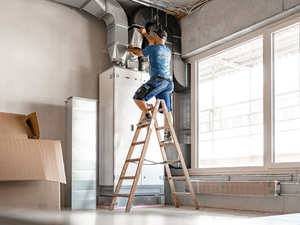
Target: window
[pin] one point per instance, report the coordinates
(247, 103)
(286, 94)
(230, 107)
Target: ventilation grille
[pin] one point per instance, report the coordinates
(248, 188)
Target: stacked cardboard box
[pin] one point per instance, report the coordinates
(31, 170)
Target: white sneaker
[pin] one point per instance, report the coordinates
(167, 140)
(144, 122)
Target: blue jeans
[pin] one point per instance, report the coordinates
(158, 88)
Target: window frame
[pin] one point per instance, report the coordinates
(269, 166)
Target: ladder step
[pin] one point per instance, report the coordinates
(162, 128)
(167, 144)
(143, 126)
(172, 161)
(122, 195)
(182, 193)
(159, 110)
(177, 178)
(138, 143)
(133, 160)
(127, 178)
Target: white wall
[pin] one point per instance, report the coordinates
(48, 52)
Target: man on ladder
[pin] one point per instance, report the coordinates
(160, 84)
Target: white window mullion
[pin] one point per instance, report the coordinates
(194, 115)
(268, 99)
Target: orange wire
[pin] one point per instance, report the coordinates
(187, 6)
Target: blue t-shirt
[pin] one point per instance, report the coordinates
(160, 56)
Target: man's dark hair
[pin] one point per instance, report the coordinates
(162, 34)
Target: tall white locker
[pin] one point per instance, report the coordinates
(118, 116)
(80, 154)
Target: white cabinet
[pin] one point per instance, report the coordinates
(118, 116)
(80, 153)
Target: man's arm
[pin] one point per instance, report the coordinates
(136, 51)
(149, 38)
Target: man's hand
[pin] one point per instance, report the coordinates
(136, 51)
(130, 48)
(142, 31)
(145, 34)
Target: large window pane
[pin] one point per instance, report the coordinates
(230, 107)
(286, 95)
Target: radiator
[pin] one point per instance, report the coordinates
(250, 188)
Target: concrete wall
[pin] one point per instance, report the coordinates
(48, 52)
(287, 203)
(220, 19)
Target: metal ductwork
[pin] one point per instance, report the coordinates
(153, 19)
(116, 20)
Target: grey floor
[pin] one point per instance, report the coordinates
(167, 215)
(188, 215)
(190, 211)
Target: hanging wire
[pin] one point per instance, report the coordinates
(169, 6)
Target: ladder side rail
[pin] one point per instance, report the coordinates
(125, 166)
(183, 165)
(167, 167)
(143, 154)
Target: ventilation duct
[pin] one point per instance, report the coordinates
(116, 21)
(153, 19)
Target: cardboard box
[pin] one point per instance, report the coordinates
(11, 126)
(31, 125)
(19, 126)
(30, 170)
(41, 195)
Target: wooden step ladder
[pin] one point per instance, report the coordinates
(154, 123)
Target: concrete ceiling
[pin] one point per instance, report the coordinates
(182, 7)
